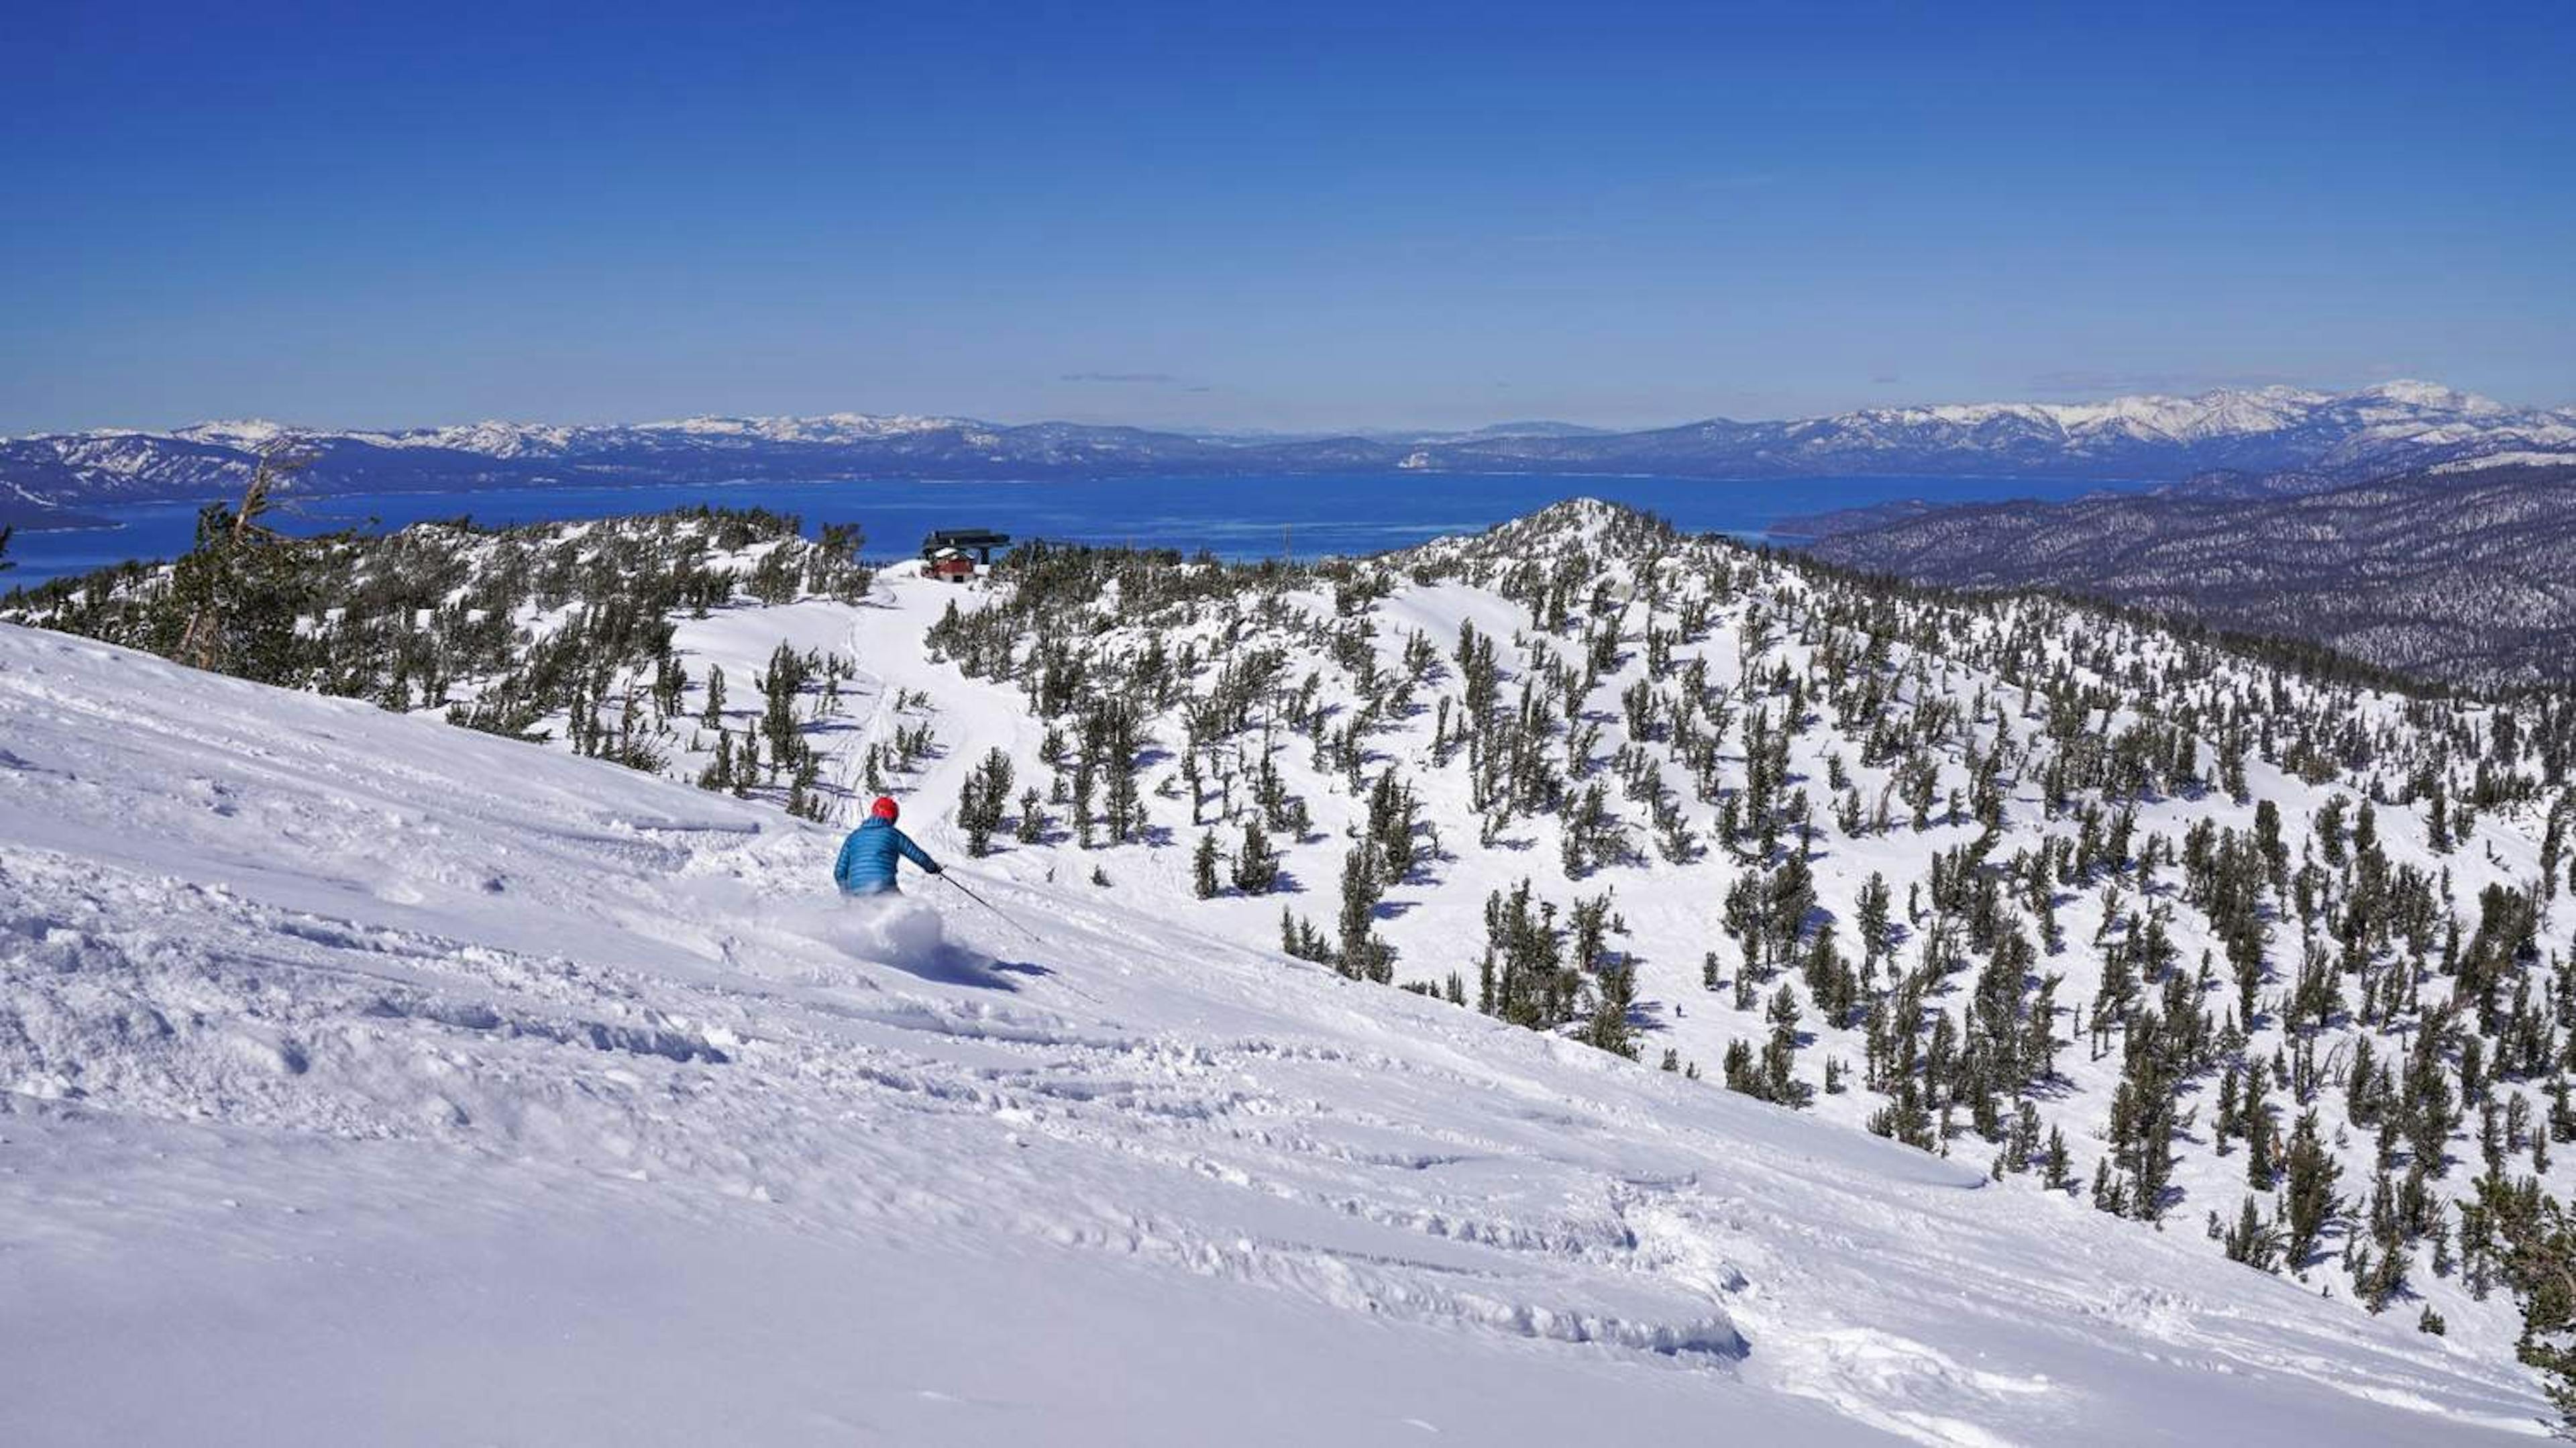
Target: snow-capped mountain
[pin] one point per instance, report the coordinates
(2273, 430)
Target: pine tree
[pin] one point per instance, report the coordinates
(1363, 955)
(780, 687)
(1780, 1052)
(981, 800)
(718, 775)
(2054, 1163)
(713, 718)
(2256, 1119)
(1203, 878)
(240, 588)
(1256, 865)
(1609, 1028)
(2252, 1241)
(2309, 1200)
(1871, 918)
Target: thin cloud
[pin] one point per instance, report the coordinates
(1123, 379)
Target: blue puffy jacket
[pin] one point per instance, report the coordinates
(866, 866)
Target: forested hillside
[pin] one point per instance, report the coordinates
(2222, 942)
(2464, 574)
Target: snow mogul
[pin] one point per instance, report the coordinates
(868, 857)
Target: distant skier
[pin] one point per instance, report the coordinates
(867, 863)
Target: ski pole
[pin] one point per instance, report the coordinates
(989, 905)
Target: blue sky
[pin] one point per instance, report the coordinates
(1275, 216)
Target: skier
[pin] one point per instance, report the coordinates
(867, 863)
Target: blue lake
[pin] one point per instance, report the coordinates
(1233, 517)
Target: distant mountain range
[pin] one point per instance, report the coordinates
(2228, 435)
(2465, 575)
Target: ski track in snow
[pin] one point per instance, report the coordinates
(440, 1088)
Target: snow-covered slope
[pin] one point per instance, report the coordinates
(371, 1080)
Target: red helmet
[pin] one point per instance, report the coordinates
(885, 808)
